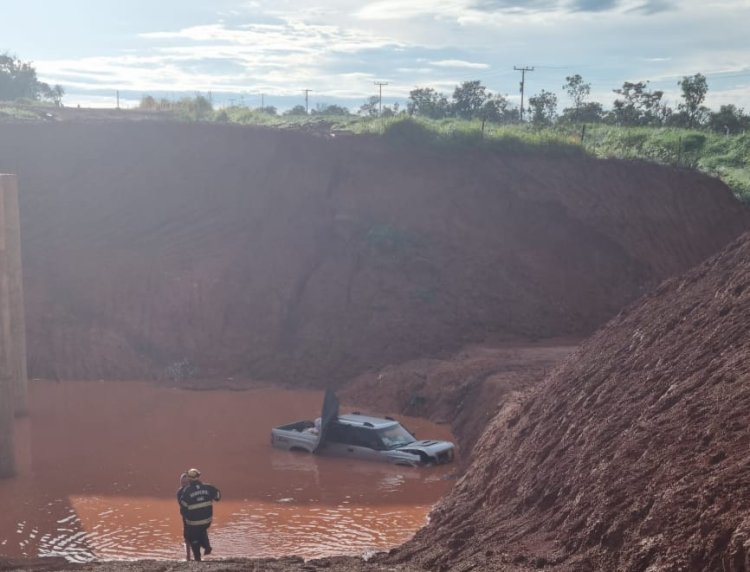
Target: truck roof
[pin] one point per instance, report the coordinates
(358, 420)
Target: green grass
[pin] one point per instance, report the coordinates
(452, 135)
(724, 156)
(12, 111)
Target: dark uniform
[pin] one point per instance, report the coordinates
(196, 506)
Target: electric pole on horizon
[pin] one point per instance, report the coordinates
(380, 85)
(306, 107)
(523, 81)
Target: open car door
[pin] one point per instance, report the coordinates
(329, 412)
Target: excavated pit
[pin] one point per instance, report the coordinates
(156, 250)
(420, 282)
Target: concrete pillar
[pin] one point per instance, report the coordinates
(15, 294)
(13, 391)
(7, 386)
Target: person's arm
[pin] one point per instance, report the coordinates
(182, 503)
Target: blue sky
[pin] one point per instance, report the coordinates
(238, 50)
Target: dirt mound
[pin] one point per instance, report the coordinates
(632, 455)
(466, 389)
(191, 250)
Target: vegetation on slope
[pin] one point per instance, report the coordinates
(719, 154)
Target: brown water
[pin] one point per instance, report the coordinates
(99, 464)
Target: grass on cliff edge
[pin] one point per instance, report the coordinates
(726, 157)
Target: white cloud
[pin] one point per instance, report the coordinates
(342, 46)
(459, 64)
(399, 9)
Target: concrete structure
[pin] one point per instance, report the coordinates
(13, 375)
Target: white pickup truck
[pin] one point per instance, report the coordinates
(361, 437)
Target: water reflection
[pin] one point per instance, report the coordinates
(101, 480)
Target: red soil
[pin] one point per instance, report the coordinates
(290, 257)
(466, 389)
(632, 455)
(243, 252)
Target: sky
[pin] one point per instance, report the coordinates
(269, 52)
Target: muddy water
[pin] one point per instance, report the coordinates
(99, 464)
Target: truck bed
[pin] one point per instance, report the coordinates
(299, 435)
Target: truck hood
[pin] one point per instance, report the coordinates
(432, 448)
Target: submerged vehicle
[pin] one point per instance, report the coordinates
(360, 437)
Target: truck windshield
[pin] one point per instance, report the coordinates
(395, 436)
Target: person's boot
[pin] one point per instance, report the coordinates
(196, 551)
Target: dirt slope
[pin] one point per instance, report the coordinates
(633, 455)
(152, 248)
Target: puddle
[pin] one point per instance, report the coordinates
(99, 464)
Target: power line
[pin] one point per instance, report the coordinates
(380, 85)
(523, 81)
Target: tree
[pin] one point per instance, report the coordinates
(543, 108)
(639, 106)
(729, 120)
(427, 102)
(577, 89)
(694, 89)
(148, 103)
(468, 99)
(496, 109)
(589, 112)
(582, 111)
(325, 109)
(201, 107)
(52, 94)
(296, 111)
(268, 110)
(370, 107)
(18, 80)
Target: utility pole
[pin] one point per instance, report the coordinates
(262, 101)
(523, 81)
(380, 85)
(306, 106)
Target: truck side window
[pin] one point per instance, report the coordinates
(366, 438)
(337, 433)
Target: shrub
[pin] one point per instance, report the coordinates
(408, 132)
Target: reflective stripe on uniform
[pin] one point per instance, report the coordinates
(198, 522)
(198, 505)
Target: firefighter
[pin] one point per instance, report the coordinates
(196, 506)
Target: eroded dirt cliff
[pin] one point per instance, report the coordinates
(158, 249)
(632, 455)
